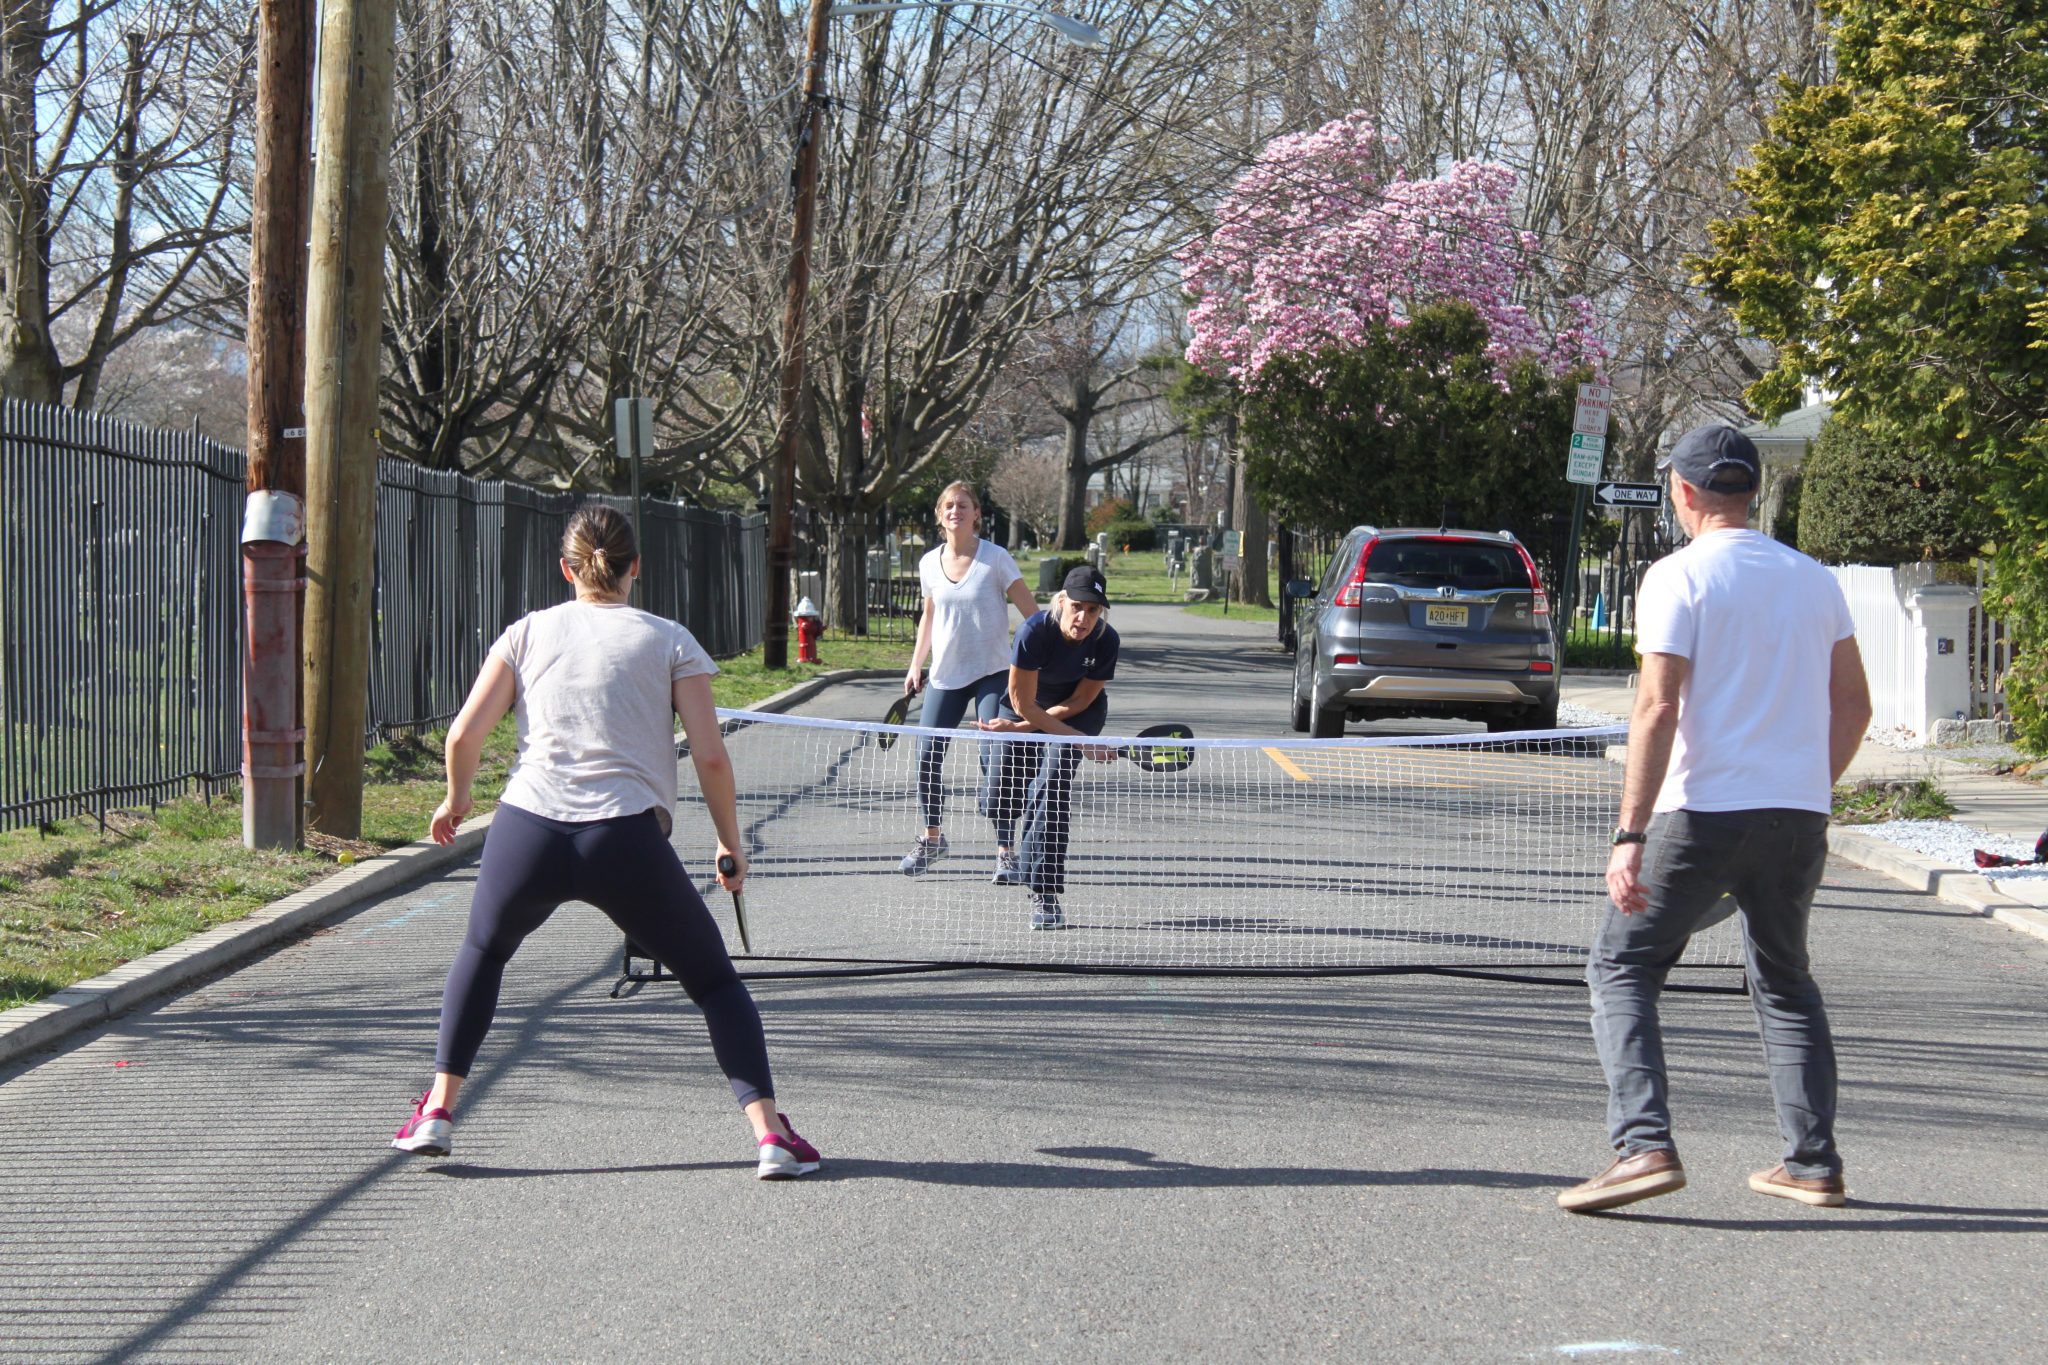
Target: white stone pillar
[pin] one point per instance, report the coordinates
(1937, 657)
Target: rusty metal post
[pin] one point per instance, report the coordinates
(272, 546)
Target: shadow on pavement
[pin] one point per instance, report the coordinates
(1935, 1218)
(1134, 1169)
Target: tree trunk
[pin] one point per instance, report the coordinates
(846, 575)
(1074, 508)
(28, 358)
(1250, 516)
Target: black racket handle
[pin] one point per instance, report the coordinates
(727, 864)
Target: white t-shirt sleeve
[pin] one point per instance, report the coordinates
(687, 659)
(1005, 568)
(1664, 613)
(927, 567)
(510, 647)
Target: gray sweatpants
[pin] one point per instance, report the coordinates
(1770, 861)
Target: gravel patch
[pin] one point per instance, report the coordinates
(1892, 737)
(1952, 844)
(1570, 717)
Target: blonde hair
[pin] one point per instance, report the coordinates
(959, 486)
(599, 545)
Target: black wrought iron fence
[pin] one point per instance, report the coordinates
(1602, 631)
(889, 598)
(120, 587)
(120, 602)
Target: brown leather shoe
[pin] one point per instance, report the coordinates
(1630, 1178)
(1824, 1192)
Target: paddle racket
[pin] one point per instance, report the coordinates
(897, 714)
(728, 865)
(1161, 758)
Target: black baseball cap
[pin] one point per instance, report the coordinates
(1716, 457)
(1084, 584)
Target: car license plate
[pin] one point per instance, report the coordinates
(1444, 616)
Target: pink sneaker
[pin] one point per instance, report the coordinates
(429, 1132)
(785, 1158)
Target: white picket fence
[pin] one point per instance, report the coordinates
(1915, 635)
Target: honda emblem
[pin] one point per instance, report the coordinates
(1447, 591)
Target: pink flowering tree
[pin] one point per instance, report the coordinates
(1369, 325)
(1314, 248)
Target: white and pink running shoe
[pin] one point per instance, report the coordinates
(785, 1158)
(429, 1132)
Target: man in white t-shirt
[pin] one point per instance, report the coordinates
(1750, 704)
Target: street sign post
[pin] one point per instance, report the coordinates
(1584, 460)
(1645, 495)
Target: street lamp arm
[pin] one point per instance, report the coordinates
(1073, 30)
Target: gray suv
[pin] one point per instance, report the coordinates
(1425, 623)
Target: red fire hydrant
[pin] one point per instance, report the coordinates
(810, 624)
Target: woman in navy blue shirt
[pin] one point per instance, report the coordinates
(1061, 661)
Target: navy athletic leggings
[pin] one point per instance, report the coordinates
(625, 867)
(943, 709)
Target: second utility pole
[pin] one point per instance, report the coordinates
(344, 321)
(788, 426)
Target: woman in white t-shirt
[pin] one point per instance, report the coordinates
(969, 587)
(596, 686)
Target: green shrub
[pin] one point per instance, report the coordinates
(1132, 535)
(1871, 500)
(1588, 648)
(1878, 799)
(1067, 564)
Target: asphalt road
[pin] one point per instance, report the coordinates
(1068, 1168)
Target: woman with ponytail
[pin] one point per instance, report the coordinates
(586, 815)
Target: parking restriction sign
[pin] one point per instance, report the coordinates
(1584, 461)
(1590, 416)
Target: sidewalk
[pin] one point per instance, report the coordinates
(2011, 807)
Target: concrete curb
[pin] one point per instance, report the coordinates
(27, 1028)
(1954, 885)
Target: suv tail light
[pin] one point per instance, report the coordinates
(1542, 607)
(1348, 595)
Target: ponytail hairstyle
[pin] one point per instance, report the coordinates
(599, 546)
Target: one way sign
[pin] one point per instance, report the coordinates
(1629, 494)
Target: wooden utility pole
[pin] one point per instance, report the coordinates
(788, 427)
(273, 525)
(344, 316)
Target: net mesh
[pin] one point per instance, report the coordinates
(1259, 855)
